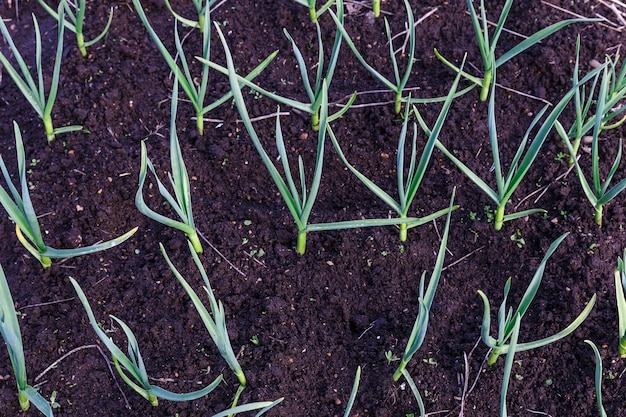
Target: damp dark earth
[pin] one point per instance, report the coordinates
(301, 325)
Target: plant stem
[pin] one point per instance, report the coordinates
(484, 93)
(597, 216)
(493, 357)
(499, 218)
(154, 401)
(301, 243)
(80, 41)
(398, 105)
(315, 121)
(24, 402)
(195, 242)
(403, 232)
(398, 373)
(47, 124)
(237, 395)
(313, 14)
(201, 21)
(575, 146)
(622, 346)
(376, 9)
(200, 123)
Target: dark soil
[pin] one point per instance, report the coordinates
(353, 295)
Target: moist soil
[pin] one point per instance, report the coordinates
(353, 295)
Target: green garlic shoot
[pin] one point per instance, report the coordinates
(409, 186)
(313, 91)
(507, 319)
(21, 211)
(487, 45)
(263, 406)
(10, 331)
(215, 324)
(76, 21)
(195, 91)
(34, 91)
(597, 191)
(314, 13)
(609, 106)
(598, 377)
(133, 363)
(425, 301)
(179, 180)
(397, 86)
(620, 286)
(202, 8)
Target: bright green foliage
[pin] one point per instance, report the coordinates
(299, 200)
(133, 363)
(314, 13)
(522, 161)
(215, 325)
(299, 203)
(415, 391)
(202, 8)
(355, 389)
(195, 93)
(76, 21)
(397, 86)
(179, 180)
(620, 286)
(407, 188)
(598, 377)
(508, 363)
(609, 106)
(10, 331)
(597, 191)
(487, 45)
(20, 209)
(313, 91)
(582, 107)
(264, 406)
(33, 91)
(376, 7)
(425, 301)
(507, 319)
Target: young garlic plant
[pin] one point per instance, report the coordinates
(598, 377)
(10, 331)
(522, 160)
(179, 180)
(314, 13)
(597, 191)
(20, 209)
(34, 91)
(509, 319)
(487, 45)
(75, 22)
(397, 86)
(202, 8)
(215, 323)
(407, 187)
(133, 363)
(611, 104)
(620, 287)
(313, 91)
(195, 89)
(425, 302)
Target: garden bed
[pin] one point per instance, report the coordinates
(353, 296)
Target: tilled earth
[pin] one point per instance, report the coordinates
(354, 295)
